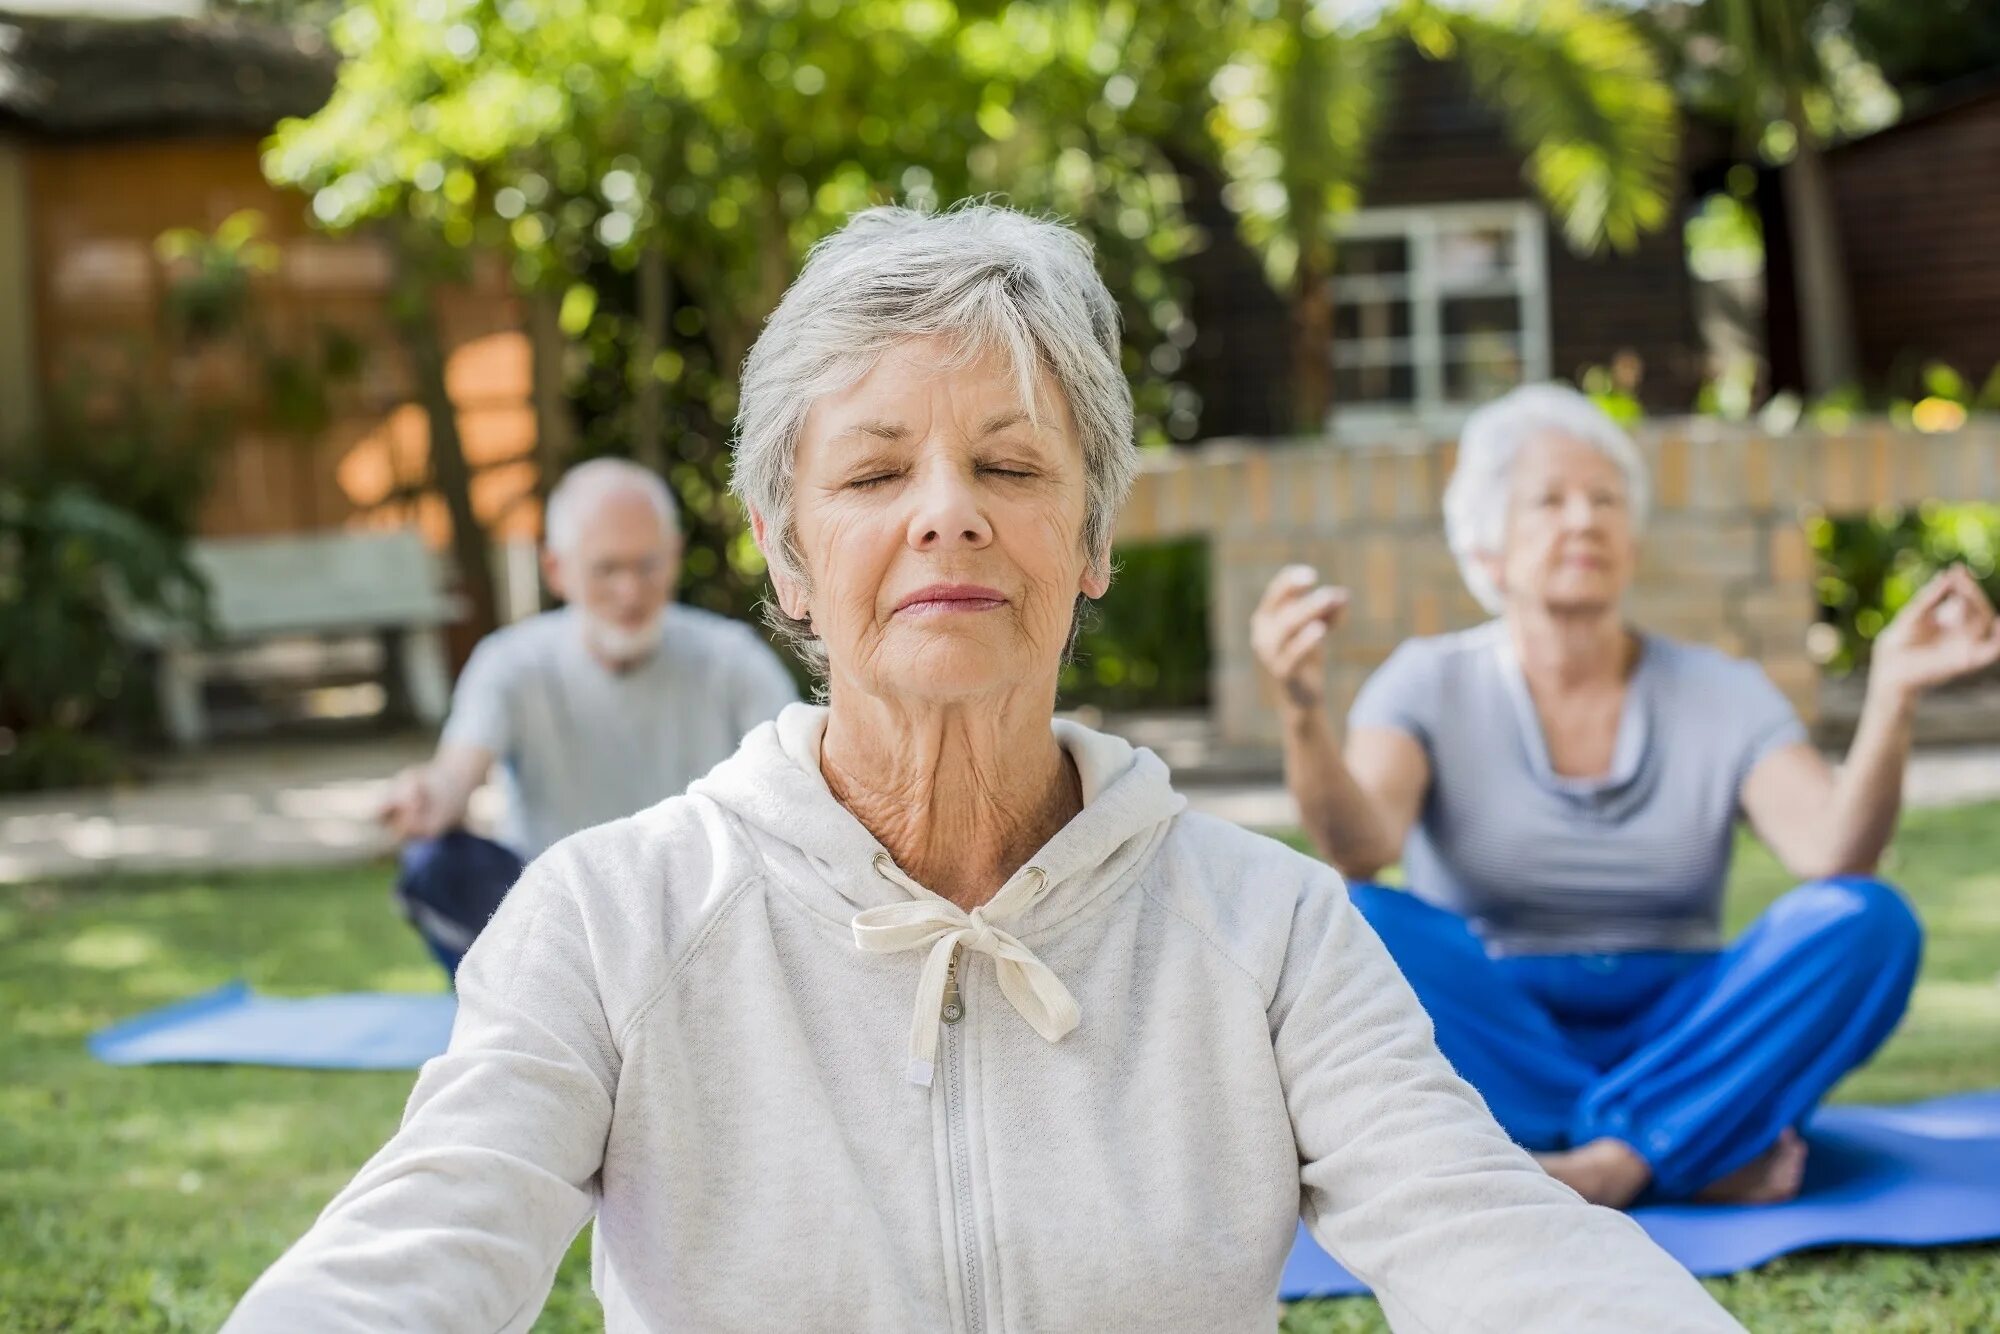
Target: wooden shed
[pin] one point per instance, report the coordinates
(113, 132)
(1918, 211)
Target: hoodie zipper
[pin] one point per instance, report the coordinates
(952, 1013)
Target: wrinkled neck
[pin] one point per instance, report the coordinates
(1563, 654)
(960, 795)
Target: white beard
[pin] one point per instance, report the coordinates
(622, 646)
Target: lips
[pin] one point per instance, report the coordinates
(952, 597)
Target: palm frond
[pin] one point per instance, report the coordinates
(1583, 97)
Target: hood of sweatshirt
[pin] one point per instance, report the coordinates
(774, 785)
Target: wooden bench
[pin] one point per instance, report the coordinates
(380, 584)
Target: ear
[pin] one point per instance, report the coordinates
(1096, 581)
(552, 573)
(791, 598)
(1494, 568)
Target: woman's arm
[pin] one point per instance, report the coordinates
(461, 1219)
(1822, 823)
(1410, 1183)
(1357, 809)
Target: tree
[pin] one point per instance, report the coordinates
(654, 173)
(1921, 47)
(1765, 63)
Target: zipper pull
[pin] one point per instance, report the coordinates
(953, 1009)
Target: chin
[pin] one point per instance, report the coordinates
(620, 644)
(956, 667)
(1583, 597)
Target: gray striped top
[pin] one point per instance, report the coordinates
(1544, 864)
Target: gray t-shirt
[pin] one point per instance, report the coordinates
(579, 744)
(1545, 864)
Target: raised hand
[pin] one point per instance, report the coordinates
(1946, 631)
(1289, 628)
(409, 809)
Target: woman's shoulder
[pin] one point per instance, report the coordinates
(1245, 891)
(1698, 668)
(1412, 687)
(1735, 699)
(642, 888)
(1451, 653)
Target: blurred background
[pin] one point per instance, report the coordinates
(284, 270)
(304, 306)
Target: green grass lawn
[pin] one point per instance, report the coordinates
(147, 1199)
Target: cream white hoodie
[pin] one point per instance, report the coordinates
(673, 1024)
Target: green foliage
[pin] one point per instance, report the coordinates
(70, 562)
(576, 139)
(144, 1200)
(1585, 102)
(96, 511)
(1871, 564)
(1146, 643)
(1931, 44)
(211, 294)
(585, 140)
(209, 301)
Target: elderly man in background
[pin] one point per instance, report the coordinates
(594, 711)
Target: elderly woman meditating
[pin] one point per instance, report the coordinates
(1563, 791)
(925, 1011)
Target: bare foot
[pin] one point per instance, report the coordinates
(1772, 1177)
(1605, 1171)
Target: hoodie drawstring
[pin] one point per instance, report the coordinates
(928, 920)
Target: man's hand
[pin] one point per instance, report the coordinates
(411, 810)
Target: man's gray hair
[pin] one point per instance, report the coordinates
(980, 276)
(1476, 498)
(577, 496)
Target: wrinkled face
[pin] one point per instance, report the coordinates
(940, 528)
(620, 571)
(1571, 542)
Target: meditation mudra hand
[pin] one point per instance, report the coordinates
(1562, 788)
(1947, 631)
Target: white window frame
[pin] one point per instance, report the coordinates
(1427, 346)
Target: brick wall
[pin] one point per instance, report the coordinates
(1724, 560)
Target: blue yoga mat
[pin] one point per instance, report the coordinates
(1923, 1175)
(234, 1026)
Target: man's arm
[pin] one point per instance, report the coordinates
(426, 800)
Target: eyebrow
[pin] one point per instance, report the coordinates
(887, 430)
(1000, 421)
(880, 430)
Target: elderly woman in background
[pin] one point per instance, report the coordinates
(925, 1011)
(1563, 790)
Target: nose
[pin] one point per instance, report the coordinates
(1579, 513)
(946, 511)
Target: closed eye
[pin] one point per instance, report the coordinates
(872, 480)
(1006, 472)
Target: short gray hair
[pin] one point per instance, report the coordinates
(980, 275)
(585, 486)
(1476, 498)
